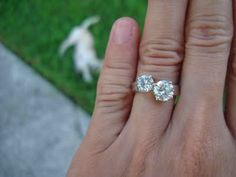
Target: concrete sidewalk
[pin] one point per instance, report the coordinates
(40, 129)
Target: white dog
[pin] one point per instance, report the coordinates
(85, 57)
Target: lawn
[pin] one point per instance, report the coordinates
(34, 29)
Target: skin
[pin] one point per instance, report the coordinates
(132, 135)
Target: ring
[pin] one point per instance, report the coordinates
(163, 90)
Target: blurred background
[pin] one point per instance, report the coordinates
(34, 29)
(45, 105)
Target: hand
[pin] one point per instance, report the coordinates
(133, 135)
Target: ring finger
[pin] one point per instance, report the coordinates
(161, 55)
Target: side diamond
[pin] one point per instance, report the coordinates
(144, 83)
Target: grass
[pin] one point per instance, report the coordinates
(34, 30)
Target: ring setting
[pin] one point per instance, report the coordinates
(163, 90)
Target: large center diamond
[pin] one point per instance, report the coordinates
(163, 90)
(144, 83)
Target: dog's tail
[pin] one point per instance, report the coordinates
(90, 21)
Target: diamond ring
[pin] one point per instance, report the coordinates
(163, 90)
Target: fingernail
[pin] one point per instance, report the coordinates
(123, 31)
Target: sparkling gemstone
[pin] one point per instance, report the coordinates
(163, 90)
(144, 83)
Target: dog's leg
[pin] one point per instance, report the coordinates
(87, 77)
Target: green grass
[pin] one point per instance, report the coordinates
(34, 29)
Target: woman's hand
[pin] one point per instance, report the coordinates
(189, 43)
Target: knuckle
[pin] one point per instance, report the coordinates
(113, 93)
(115, 85)
(210, 31)
(161, 57)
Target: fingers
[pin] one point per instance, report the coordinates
(231, 85)
(209, 33)
(161, 54)
(114, 91)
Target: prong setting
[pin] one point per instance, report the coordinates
(163, 90)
